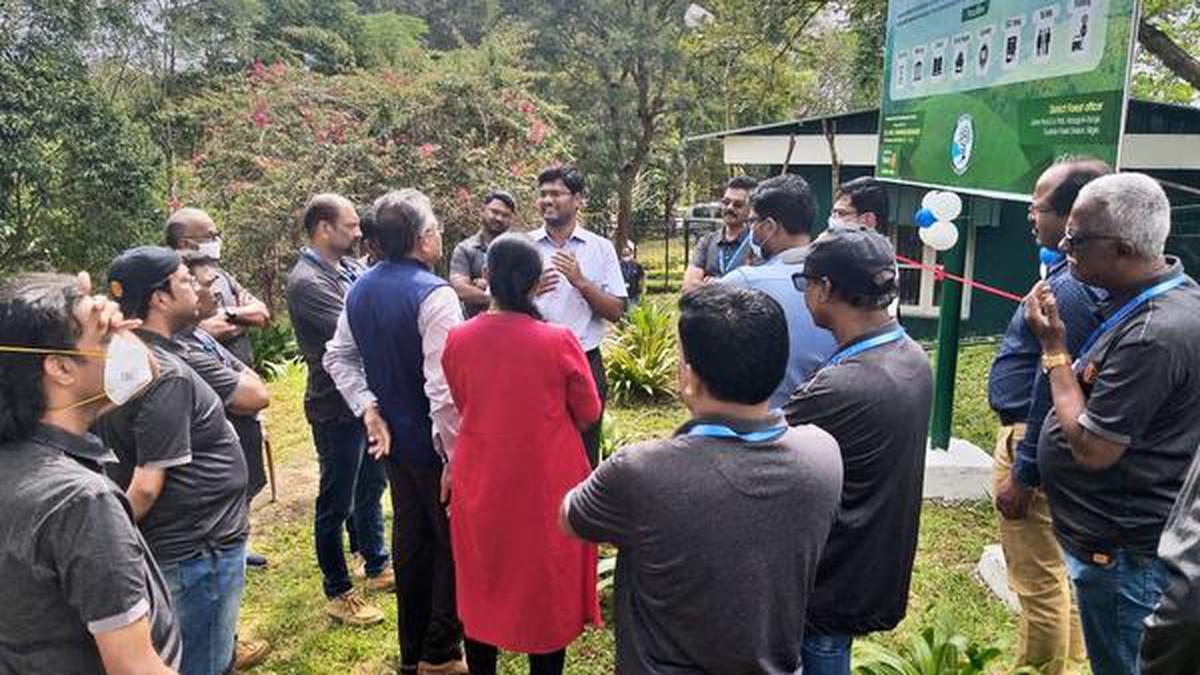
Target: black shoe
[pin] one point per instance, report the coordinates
(255, 560)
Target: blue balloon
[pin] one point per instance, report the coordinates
(1050, 256)
(924, 218)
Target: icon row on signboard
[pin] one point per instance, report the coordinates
(972, 54)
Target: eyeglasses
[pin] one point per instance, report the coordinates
(844, 213)
(1072, 241)
(802, 280)
(1034, 208)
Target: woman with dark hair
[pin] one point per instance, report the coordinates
(524, 390)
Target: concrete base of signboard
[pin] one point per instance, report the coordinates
(961, 473)
(994, 574)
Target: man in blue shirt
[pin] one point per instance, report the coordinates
(1020, 394)
(781, 218)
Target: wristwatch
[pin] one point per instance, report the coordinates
(1054, 360)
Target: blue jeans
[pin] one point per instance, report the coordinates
(205, 593)
(351, 487)
(1113, 603)
(826, 654)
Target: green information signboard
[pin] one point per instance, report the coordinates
(982, 95)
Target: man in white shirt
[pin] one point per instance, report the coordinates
(582, 287)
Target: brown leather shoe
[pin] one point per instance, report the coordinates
(455, 667)
(350, 609)
(357, 566)
(250, 653)
(384, 582)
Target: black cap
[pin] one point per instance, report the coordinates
(856, 260)
(137, 272)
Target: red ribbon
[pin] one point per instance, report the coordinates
(940, 274)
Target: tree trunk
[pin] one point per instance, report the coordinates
(835, 167)
(1174, 57)
(624, 208)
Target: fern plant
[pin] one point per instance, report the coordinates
(640, 358)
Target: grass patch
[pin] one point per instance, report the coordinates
(284, 604)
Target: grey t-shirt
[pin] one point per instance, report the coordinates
(316, 294)
(719, 256)
(179, 425)
(218, 367)
(876, 404)
(469, 259)
(718, 541)
(228, 294)
(1142, 384)
(73, 564)
(1179, 549)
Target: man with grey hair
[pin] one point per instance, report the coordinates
(1123, 431)
(386, 359)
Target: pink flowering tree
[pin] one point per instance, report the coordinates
(454, 128)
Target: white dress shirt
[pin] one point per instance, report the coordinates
(565, 305)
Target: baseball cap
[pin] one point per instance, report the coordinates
(855, 260)
(136, 273)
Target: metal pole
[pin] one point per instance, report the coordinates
(949, 315)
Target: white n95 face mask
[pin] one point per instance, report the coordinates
(211, 249)
(127, 369)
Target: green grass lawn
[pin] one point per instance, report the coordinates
(284, 603)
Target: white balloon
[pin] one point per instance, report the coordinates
(941, 236)
(946, 206)
(929, 199)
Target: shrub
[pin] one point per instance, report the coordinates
(940, 649)
(612, 438)
(641, 356)
(452, 126)
(274, 346)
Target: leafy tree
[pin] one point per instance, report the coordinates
(390, 39)
(1168, 63)
(77, 177)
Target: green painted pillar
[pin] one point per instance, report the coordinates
(954, 261)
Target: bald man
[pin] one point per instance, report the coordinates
(351, 482)
(190, 229)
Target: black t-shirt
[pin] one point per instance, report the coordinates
(876, 405)
(633, 273)
(719, 541)
(73, 564)
(179, 425)
(1142, 383)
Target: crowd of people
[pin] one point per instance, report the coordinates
(771, 530)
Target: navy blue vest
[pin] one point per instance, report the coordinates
(382, 309)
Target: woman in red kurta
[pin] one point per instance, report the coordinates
(524, 390)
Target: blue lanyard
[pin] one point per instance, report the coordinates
(1129, 308)
(860, 347)
(722, 431)
(746, 237)
(345, 273)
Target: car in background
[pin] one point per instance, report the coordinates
(700, 219)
